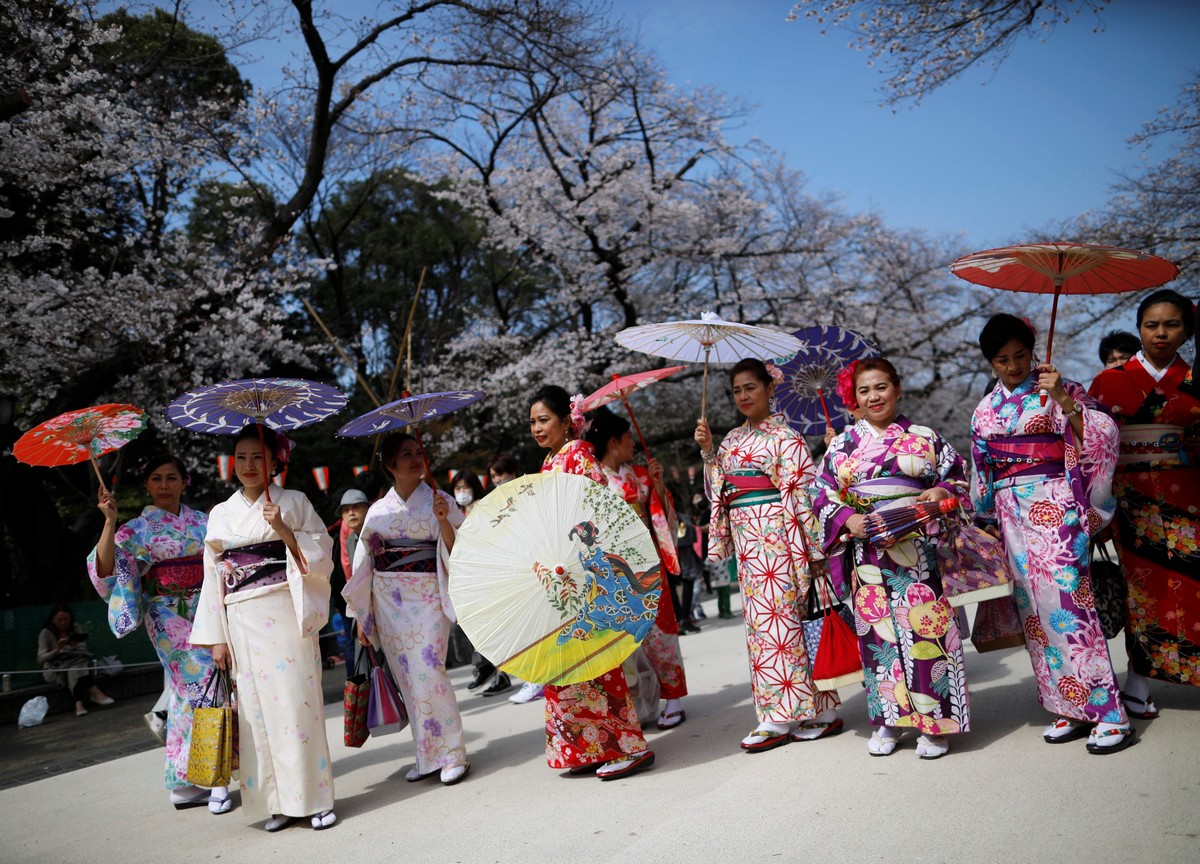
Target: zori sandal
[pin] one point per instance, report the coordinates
(1142, 709)
(626, 765)
(1063, 730)
(1128, 737)
(822, 730)
(761, 740)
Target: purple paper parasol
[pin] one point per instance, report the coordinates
(278, 403)
(808, 394)
(408, 411)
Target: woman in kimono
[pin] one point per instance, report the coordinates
(265, 599)
(912, 651)
(1044, 472)
(593, 725)
(757, 483)
(1155, 399)
(152, 568)
(399, 593)
(612, 444)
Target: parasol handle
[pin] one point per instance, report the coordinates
(1050, 335)
(96, 468)
(425, 458)
(704, 391)
(824, 407)
(645, 449)
(266, 462)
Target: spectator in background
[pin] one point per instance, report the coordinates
(1117, 347)
(468, 490)
(352, 510)
(63, 653)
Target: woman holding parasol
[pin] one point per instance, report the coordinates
(757, 484)
(152, 568)
(1155, 399)
(1044, 472)
(591, 726)
(399, 593)
(912, 651)
(264, 600)
(612, 442)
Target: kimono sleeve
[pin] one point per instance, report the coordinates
(720, 539)
(664, 523)
(455, 517)
(982, 498)
(122, 589)
(828, 498)
(210, 626)
(1097, 454)
(792, 471)
(308, 574)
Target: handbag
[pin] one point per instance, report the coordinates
(837, 660)
(385, 707)
(1111, 592)
(211, 758)
(973, 564)
(997, 625)
(355, 697)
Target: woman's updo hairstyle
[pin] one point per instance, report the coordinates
(390, 446)
(277, 444)
(605, 426)
(553, 397)
(1002, 329)
(157, 461)
(755, 367)
(877, 364)
(1165, 295)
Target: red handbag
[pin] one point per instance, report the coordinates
(839, 660)
(355, 697)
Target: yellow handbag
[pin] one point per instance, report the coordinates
(211, 759)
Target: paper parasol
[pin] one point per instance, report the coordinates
(708, 339)
(85, 433)
(278, 403)
(810, 376)
(408, 411)
(555, 578)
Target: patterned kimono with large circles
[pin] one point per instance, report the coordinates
(1048, 511)
(596, 720)
(772, 537)
(911, 647)
(146, 547)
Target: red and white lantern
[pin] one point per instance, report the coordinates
(359, 469)
(225, 467)
(321, 475)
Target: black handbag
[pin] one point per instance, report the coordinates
(1111, 593)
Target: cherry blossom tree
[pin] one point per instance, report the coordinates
(924, 45)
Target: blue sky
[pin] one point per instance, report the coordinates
(993, 155)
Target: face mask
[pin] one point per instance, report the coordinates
(463, 498)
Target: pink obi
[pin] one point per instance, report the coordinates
(176, 576)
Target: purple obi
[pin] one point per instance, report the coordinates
(1017, 456)
(407, 556)
(176, 577)
(254, 566)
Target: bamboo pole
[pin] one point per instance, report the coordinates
(345, 358)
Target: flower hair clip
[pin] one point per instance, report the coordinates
(775, 372)
(579, 423)
(283, 447)
(1029, 324)
(845, 386)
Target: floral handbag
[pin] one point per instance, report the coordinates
(355, 697)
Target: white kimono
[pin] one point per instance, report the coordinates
(271, 632)
(408, 614)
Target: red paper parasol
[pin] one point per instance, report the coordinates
(1064, 268)
(86, 433)
(888, 527)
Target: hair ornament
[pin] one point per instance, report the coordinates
(775, 372)
(579, 423)
(845, 386)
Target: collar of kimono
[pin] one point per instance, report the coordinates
(895, 429)
(1168, 383)
(1022, 390)
(416, 495)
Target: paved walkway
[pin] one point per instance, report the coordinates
(1002, 795)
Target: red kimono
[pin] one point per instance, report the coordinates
(1158, 523)
(594, 721)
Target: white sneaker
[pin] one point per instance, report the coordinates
(527, 693)
(157, 726)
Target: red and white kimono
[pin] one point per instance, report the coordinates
(762, 514)
(593, 721)
(661, 645)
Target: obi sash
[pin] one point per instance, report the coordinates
(255, 566)
(880, 493)
(748, 488)
(407, 556)
(176, 577)
(1022, 458)
(1152, 446)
